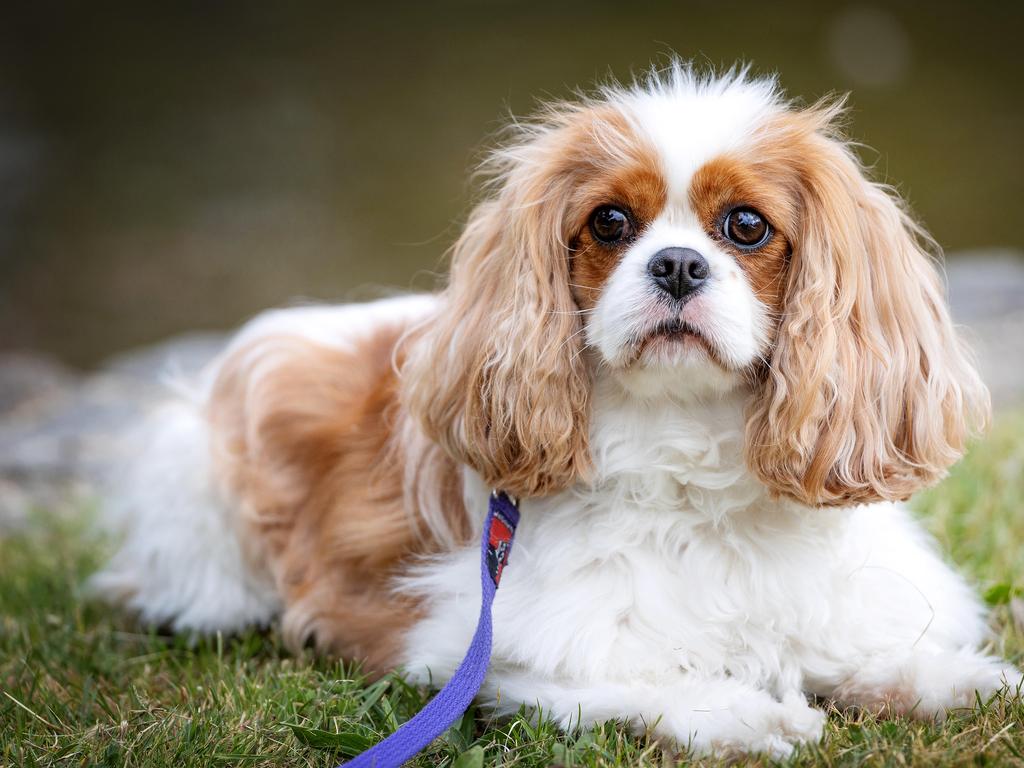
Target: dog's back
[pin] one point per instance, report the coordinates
(239, 499)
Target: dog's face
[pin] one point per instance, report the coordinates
(688, 237)
(680, 263)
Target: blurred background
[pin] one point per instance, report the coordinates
(168, 171)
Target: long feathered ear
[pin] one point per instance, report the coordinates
(869, 393)
(497, 377)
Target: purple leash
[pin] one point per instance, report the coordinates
(453, 700)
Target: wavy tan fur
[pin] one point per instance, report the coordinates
(868, 394)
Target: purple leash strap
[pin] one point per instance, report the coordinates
(453, 700)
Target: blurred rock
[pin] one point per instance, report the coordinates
(986, 294)
(27, 378)
(60, 431)
(182, 356)
(985, 285)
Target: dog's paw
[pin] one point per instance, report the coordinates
(758, 723)
(778, 728)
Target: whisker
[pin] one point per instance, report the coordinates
(571, 312)
(572, 336)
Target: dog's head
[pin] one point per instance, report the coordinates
(688, 236)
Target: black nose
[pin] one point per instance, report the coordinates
(678, 271)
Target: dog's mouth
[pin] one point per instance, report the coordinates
(673, 336)
(674, 330)
(675, 327)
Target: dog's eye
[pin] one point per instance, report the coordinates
(746, 228)
(610, 224)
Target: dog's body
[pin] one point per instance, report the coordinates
(693, 558)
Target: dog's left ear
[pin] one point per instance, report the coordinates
(869, 393)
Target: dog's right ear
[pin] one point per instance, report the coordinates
(497, 376)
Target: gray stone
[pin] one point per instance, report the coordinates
(183, 355)
(61, 433)
(985, 286)
(986, 296)
(28, 380)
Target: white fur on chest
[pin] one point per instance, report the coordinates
(676, 561)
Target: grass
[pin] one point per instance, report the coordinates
(82, 687)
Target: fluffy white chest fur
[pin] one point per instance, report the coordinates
(676, 590)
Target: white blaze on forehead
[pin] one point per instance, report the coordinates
(690, 121)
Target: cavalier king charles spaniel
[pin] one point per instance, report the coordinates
(711, 357)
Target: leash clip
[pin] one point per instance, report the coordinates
(514, 500)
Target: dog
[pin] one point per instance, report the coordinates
(712, 358)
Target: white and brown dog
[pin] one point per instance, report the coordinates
(710, 355)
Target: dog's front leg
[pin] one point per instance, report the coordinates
(702, 714)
